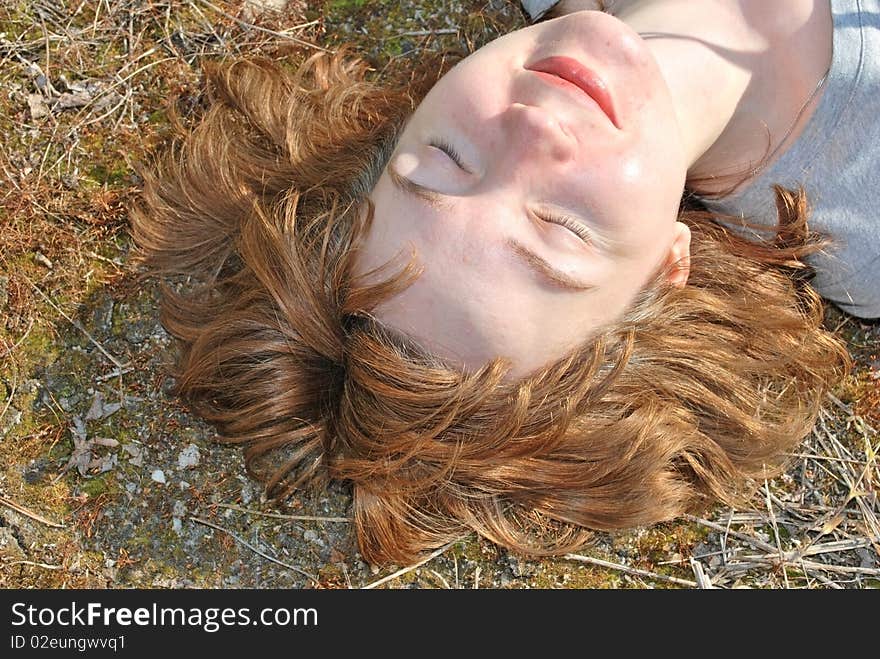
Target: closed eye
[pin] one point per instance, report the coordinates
(449, 150)
(569, 223)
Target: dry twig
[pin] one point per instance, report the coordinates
(412, 567)
(241, 541)
(629, 570)
(27, 513)
(299, 518)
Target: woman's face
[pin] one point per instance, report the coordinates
(535, 212)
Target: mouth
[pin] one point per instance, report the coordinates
(569, 72)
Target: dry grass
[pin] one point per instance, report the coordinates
(87, 86)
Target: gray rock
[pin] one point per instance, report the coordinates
(9, 547)
(189, 457)
(102, 315)
(247, 493)
(35, 471)
(314, 538)
(136, 453)
(13, 418)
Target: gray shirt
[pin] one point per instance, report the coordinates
(837, 160)
(537, 8)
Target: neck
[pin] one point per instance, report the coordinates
(739, 72)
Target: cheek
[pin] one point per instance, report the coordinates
(650, 180)
(624, 188)
(476, 91)
(473, 105)
(632, 172)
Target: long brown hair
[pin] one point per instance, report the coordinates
(253, 222)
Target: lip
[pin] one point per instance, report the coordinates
(572, 72)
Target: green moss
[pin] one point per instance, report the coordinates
(60, 449)
(151, 536)
(469, 549)
(393, 47)
(94, 486)
(105, 174)
(40, 347)
(336, 5)
(554, 575)
(16, 23)
(159, 117)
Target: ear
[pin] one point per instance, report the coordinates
(678, 260)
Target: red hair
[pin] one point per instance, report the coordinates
(253, 221)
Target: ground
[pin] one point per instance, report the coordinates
(107, 481)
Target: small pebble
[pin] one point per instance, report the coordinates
(189, 457)
(41, 258)
(158, 475)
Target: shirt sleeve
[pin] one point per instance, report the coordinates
(537, 8)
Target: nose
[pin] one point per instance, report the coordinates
(534, 131)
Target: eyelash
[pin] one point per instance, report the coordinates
(576, 227)
(448, 149)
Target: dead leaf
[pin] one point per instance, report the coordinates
(38, 106)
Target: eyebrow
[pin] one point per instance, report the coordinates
(408, 186)
(547, 271)
(535, 263)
